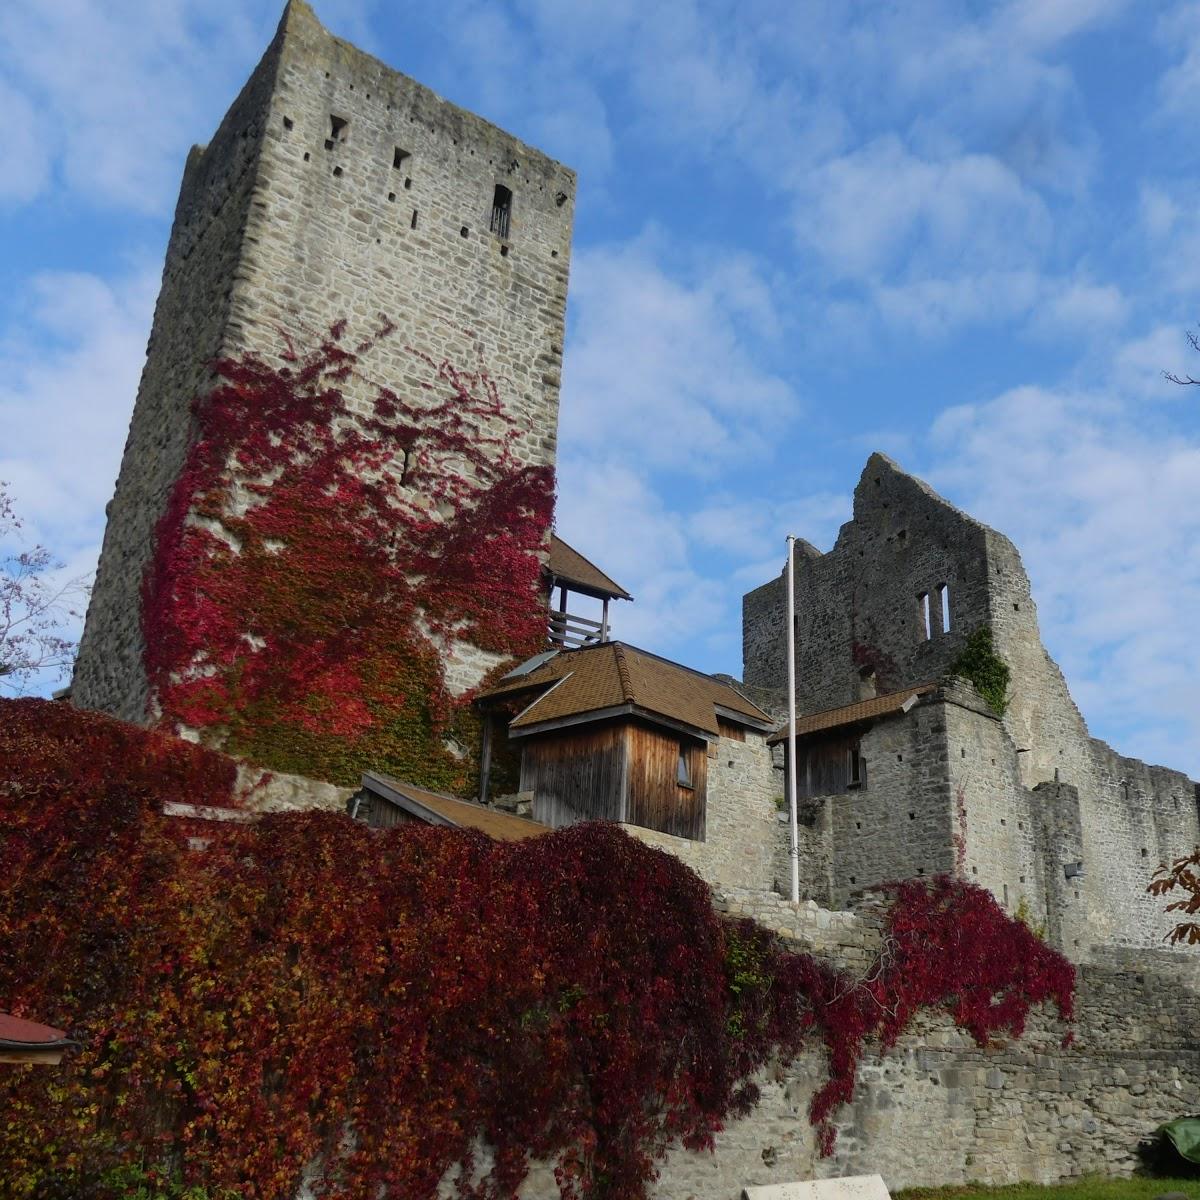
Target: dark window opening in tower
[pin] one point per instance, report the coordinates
(501, 210)
(337, 131)
(399, 158)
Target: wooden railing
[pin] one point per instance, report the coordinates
(569, 630)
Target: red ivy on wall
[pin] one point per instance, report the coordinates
(375, 1006)
(319, 554)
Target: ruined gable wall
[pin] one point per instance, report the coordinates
(859, 605)
(1123, 818)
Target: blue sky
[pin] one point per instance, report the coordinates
(964, 233)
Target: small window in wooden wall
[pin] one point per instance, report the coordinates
(683, 772)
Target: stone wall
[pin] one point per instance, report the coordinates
(940, 1110)
(191, 328)
(937, 1109)
(899, 823)
(336, 188)
(1015, 802)
(859, 607)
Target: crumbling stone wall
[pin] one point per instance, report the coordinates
(1014, 802)
(335, 188)
(859, 607)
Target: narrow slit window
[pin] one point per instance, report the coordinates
(923, 601)
(501, 210)
(683, 771)
(944, 597)
(855, 766)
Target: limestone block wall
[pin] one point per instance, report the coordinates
(899, 823)
(191, 328)
(860, 605)
(860, 610)
(938, 1109)
(336, 188)
(740, 819)
(996, 819)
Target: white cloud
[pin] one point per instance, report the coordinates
(612, 514)
(1079, 306)
(881, 211)
(668, 366)
(25, 161)
(1178, 30)
(1104, 503)
(104, 99)
(1139, 364)
(67, 385)
(1042, 24)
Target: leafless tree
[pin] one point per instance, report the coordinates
(34, 607)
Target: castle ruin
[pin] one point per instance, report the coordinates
(905, 773)
(336, 188)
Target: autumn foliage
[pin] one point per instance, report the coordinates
(376, 1009)
(1182, 876)
(324, 544)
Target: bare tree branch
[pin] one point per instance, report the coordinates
(33, 609)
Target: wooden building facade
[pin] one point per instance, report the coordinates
(613, 733)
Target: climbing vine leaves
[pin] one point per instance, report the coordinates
(376, 1009)
(325, 543)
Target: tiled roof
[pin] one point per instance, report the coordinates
(612, 675)
(568, 566)
(438, 809)
(849, 714)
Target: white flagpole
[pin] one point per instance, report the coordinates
(791, 744)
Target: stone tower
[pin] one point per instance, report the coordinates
(335, 188)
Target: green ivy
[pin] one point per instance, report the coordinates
(980, 664)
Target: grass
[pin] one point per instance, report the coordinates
(1091, 1188)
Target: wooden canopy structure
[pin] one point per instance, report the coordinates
(568, 571)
